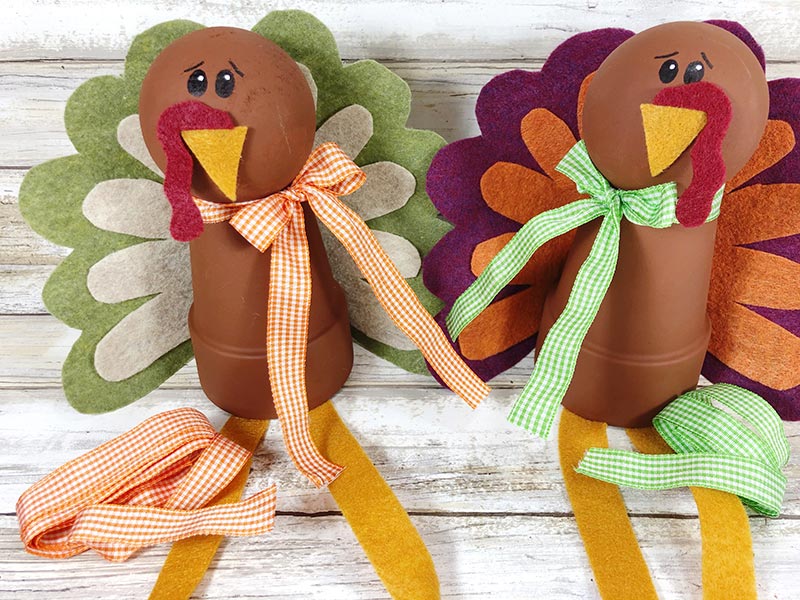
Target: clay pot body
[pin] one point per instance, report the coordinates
(648, 341)
(228, 322)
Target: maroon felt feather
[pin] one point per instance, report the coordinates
(186, 223)
(708, 167)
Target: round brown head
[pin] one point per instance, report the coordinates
(269, 130)
(679, 102)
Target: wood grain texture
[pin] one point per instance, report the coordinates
(419, 29)
(31, 122)
(487, 498)
(35, 93)
(478, 557)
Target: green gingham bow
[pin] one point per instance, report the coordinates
(654, 206)
(738, 446)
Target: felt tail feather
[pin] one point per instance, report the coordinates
(728, 569)
(379, 522)
(614, 555)
(189, 559)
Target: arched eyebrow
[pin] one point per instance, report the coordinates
(235, 68)
(705, 58)
(667, 55)
(202, 62)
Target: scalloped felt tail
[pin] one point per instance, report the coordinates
(381, 525)
(614, 555)
(189, 559)
(728, 568)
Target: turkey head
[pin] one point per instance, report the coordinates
(228, 116)
(682, 102)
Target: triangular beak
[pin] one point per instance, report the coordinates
(668, 131)
(219, 152)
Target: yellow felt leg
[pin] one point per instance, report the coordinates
(614, 554)
(379, 522)
(189, 559)
(728, 569)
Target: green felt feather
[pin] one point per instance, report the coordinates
(51, 197)
(52, 194)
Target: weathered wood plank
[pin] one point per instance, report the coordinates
(508, 557)
(31, 121)
(21, 288)
(34, 95)
(436, 454)
(419, 29)
(36, 346)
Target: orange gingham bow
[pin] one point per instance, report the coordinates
(277, 221)
(142, 488)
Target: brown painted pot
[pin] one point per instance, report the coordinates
(228, 322)
(268, 94)
(648, 341)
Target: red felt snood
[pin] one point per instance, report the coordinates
(708, 167)
(186, 223)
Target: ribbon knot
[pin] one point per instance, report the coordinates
(614, 204)
(277, 222)
(536, 408)
(725, 437)
(142, 488)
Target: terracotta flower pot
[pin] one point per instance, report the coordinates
(228, 322)
(647, 344)
(240, 73)
(648, 341)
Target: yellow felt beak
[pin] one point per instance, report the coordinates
(668, 131)
(219, 152)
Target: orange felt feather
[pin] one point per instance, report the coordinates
(776, 143)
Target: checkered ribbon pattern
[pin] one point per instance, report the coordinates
(536, 408)
(725, 438)
(277, 222)
(148, 486)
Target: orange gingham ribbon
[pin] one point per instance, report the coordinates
(142, 488)
(277, 221)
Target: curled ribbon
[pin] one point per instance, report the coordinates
(142, 488)
(726, 438)
(536, 408)
(277, 222)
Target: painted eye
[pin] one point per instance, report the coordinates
(695, 71)
(668, 71)
(197, 83)
(224, 84)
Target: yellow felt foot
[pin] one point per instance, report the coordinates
(189, 559)
(379, 522)
(614, 554)
(728, 569)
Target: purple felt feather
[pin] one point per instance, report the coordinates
(455, 175)
(784, 106)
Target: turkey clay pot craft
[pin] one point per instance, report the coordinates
(603, 216)
(244, 128)
(212, 138)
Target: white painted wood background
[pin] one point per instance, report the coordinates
(487, 498)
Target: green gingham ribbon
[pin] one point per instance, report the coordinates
(726, 438)
(536, 408)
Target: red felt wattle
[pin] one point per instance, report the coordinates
(186, 223)
(708, 166)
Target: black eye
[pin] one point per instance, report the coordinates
(694, 72)
(668, 71)
(197, 83)
(224, 84)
